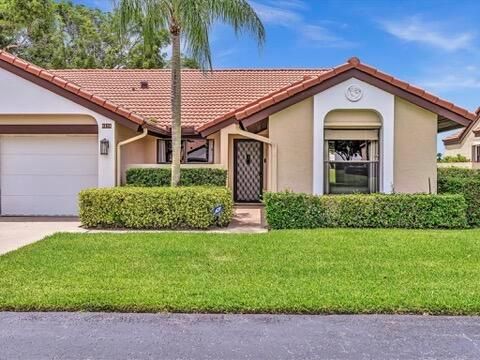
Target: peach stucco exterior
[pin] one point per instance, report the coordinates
(415, 161)
(290, 131)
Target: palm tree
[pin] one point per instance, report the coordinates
(189, 21)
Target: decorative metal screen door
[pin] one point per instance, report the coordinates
(248, 167)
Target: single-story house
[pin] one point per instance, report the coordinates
(465, 142)
(351, 128)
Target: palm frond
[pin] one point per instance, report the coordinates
(240, 15)
(151, 16)
(196, 24)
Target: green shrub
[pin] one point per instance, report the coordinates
(465, 182)
(453, 159)
(288, 210)
(155, 208)
(188, 177)
(447, 172)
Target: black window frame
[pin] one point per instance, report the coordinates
(476, 153)
(373, 167)
(210, 146)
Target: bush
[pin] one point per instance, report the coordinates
(155, 208)
(188, 177)
(288, 210)
(453, 159)
(457, 172)
(465, 182)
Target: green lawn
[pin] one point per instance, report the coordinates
(318, 271)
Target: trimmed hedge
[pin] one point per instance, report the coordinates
(155, 208)
(288, 210)
(465, 182)
(457, 172)
(188, 177)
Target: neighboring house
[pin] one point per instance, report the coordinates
(465, 142)
(347, 129)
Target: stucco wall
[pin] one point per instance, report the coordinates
(216, 147)
(415, 148)
(292, 130)
(24, 97)
(142, 151)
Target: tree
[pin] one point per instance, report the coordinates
(189, 21)
(64, 35)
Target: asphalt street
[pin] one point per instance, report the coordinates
(181, 336)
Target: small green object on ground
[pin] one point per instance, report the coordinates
(302, 271)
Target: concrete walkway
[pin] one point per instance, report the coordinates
(18, 232)
(248, 219)
(176, 336)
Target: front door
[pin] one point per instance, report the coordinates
(248, 170)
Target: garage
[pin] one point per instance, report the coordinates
(41, 175)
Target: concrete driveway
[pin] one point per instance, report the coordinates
(18, 232)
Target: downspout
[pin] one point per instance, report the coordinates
(119, 156)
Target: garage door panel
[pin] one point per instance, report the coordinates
(58, 165)
(39, 205)
(43, 175)
(46, 185)
(49, 145)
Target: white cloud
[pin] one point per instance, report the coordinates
(322, 35)
(288, 14)
(276, 15)
(452, 77)
(414, 29)
(292, 4)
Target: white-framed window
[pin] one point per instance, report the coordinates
(351, 162)
(194, 151)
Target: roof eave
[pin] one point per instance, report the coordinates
(70, 91)
(276, 101)
(463, 120)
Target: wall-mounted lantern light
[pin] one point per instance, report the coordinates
(104, 145)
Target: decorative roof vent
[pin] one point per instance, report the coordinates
(144, 84)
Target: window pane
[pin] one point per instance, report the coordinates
(192, 151)
(168, 151)
(351, 166)
(197, 151)
(348, 178)
(348, 150)
(165, 151)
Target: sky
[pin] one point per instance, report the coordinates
(434, 44)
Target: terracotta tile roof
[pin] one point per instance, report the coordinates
(306, 83)
(70, 86)
(206, 96)
(459, 135)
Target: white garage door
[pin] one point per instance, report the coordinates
(42, 174)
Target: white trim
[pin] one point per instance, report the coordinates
(373, 98)
(22, 97)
